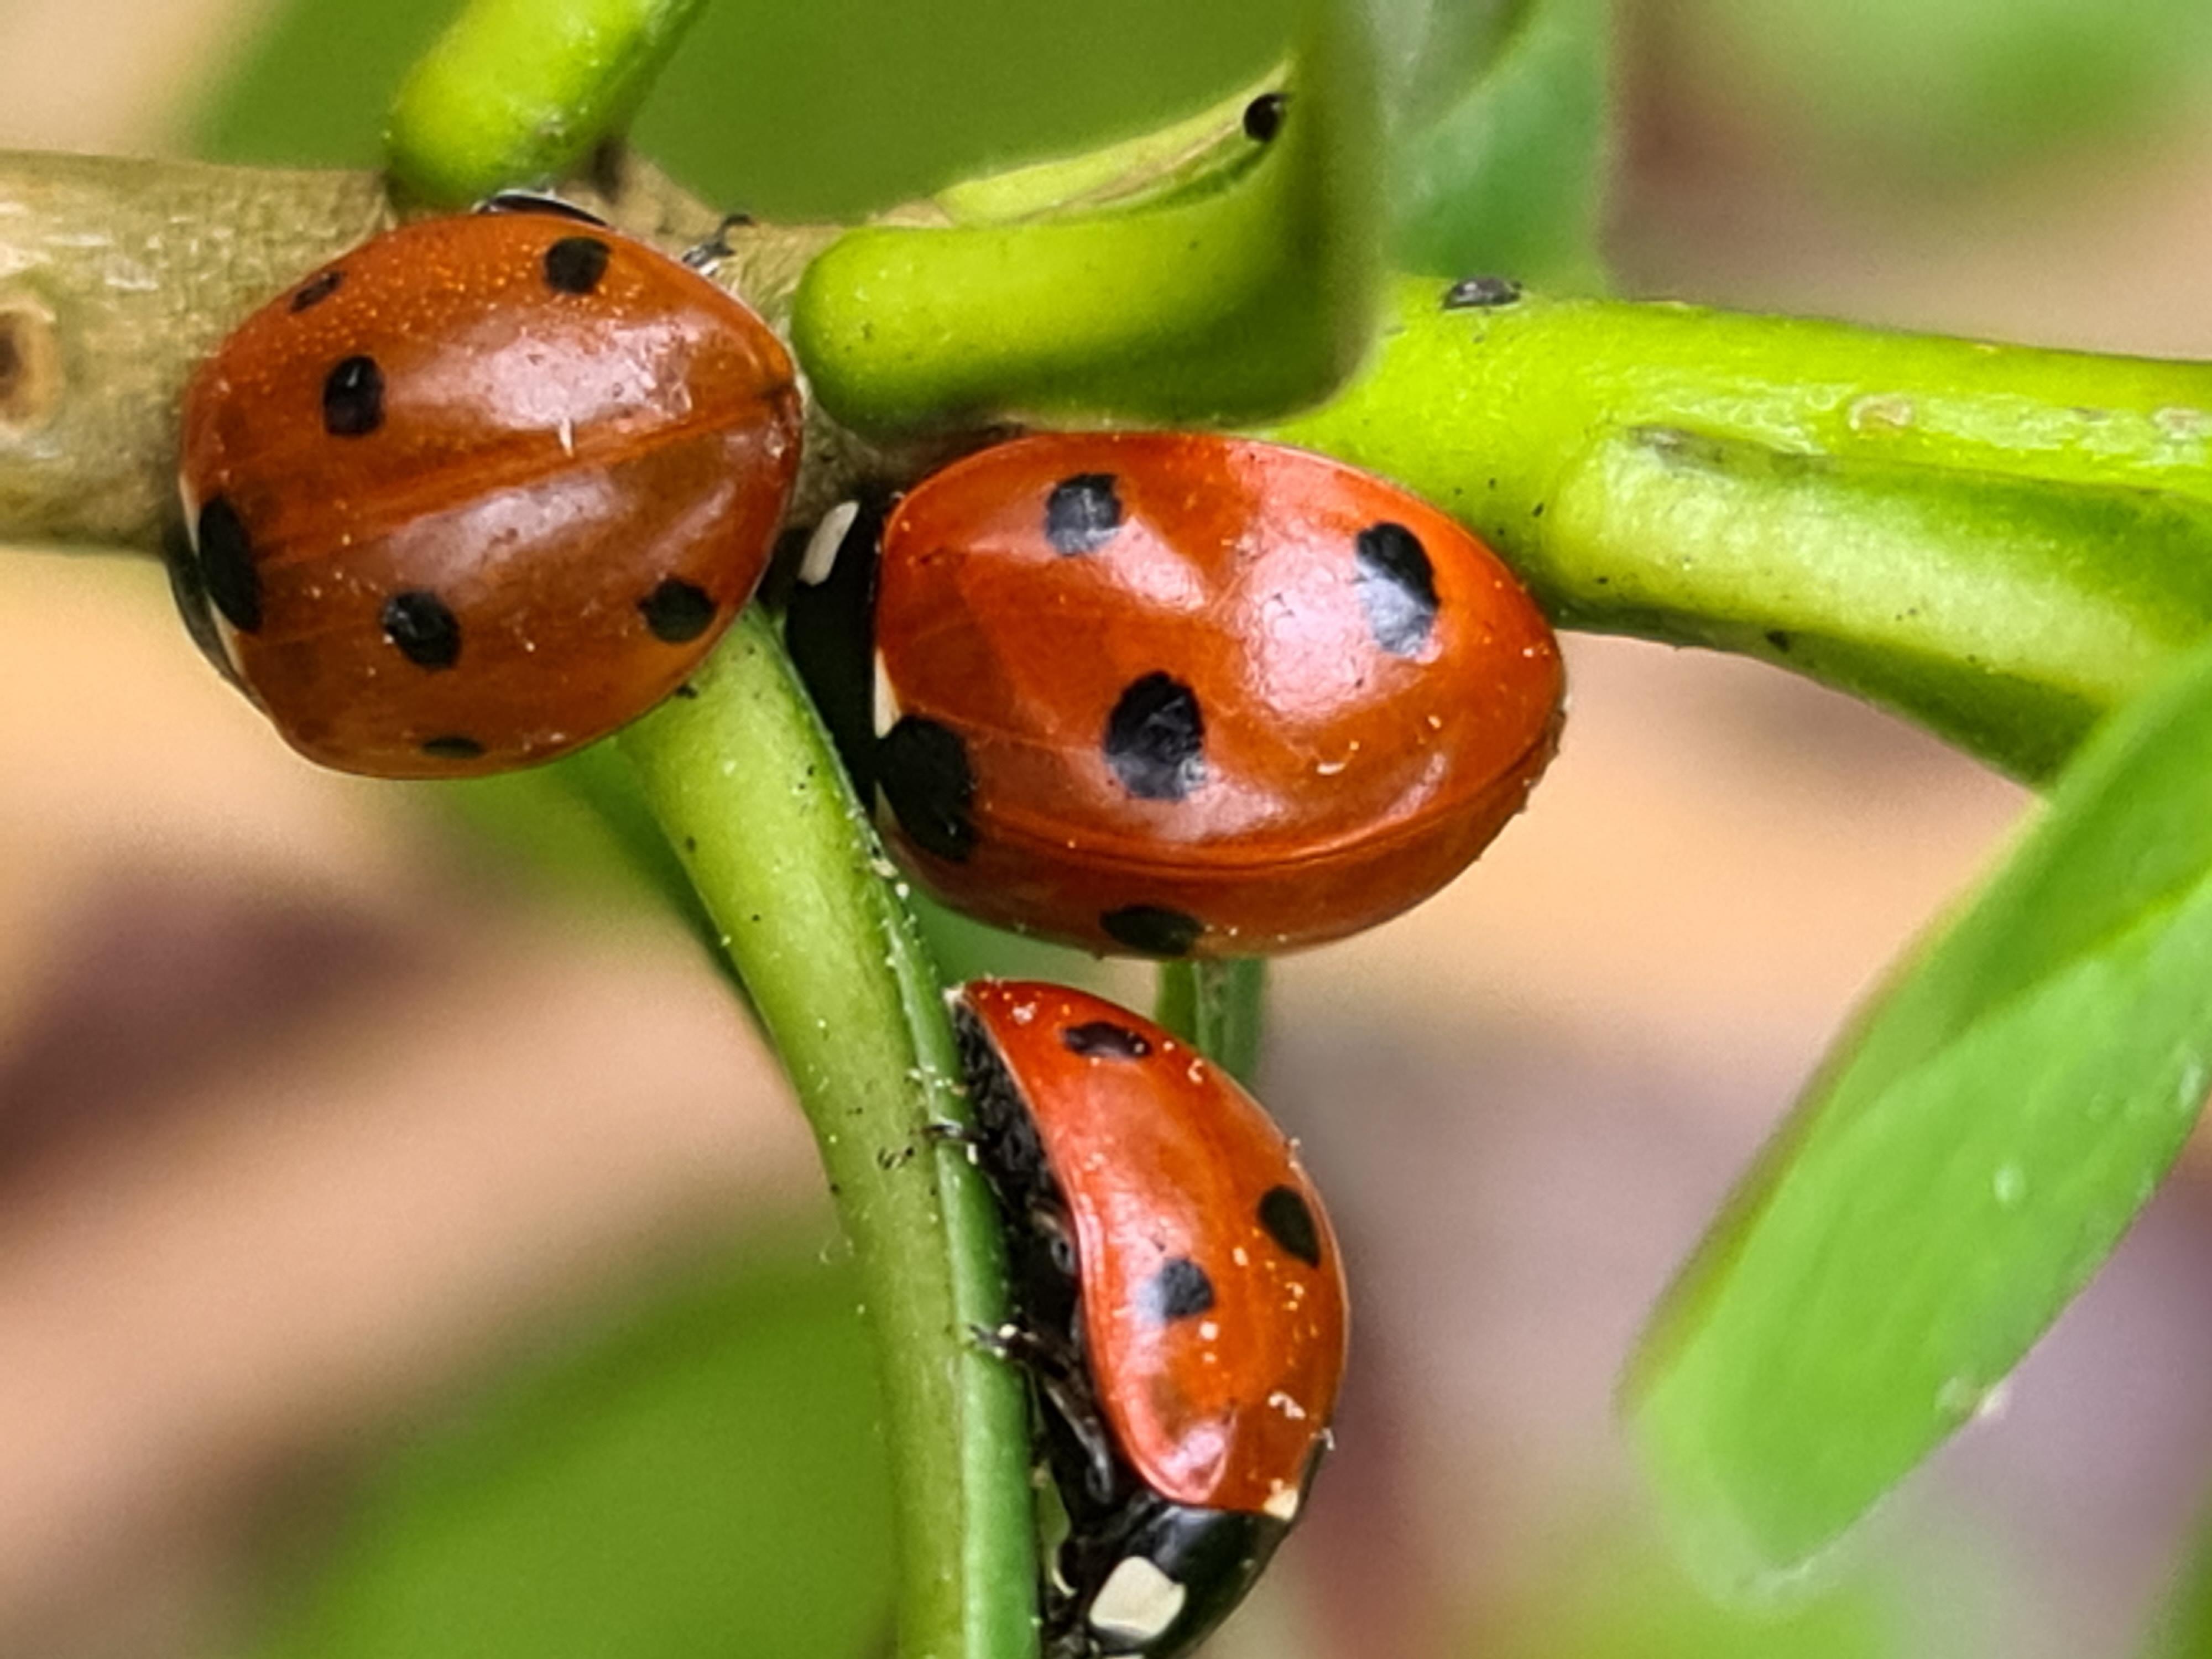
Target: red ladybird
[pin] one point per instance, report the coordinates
(1180, 1299)
(482, 489)
(1186, 694)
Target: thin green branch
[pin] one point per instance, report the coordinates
(518, 92)
(745, 784)
(1220, 1007)
(2002, 543)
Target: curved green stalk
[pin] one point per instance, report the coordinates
(745, 784)
(518, 92)
(1220, 1007)
(1205, 152)
(2002, 543)
(1244, 289)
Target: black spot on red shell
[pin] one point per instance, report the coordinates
(1181, 1290)
(575, 264)
(1156, 738)
(921, 767)
(453, 746)
(1476, 293)
(226, 569)
(1397, 588)
(527, 201)
(1263, 116)
(317, 288)
(1102, 1039)
(677, 611)
(424, 628)
(1284, 1215)
(353, 398)
(1082, 513)
(1153, 930)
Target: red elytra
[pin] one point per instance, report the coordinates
(482, 489)
(1189, 694)
(1212, 1295)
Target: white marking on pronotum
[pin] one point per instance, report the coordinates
(821, 547)
(1282, 1503)
(887, 705)
(1137, 1604)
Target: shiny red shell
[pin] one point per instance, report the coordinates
(1212, 1296)
(1191, 694)
(482, 489)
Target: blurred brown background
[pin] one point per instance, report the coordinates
(308, 1114)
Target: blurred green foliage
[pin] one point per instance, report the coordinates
(1503, 159)
(2183, 1627)
(1617, 1595)
(1952, 91)
(705, 1481)
(824, 110)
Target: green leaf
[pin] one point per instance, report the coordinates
(1246, 290)
(1509, 175)
(705, 1481)
(1964, 1164)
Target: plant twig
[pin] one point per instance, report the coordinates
(746, 785)
(1220, 1007)
(2001, 542)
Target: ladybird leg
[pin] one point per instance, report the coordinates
(1058, 1376)
(1017, 1346)
(1072, 1402)
(825, 542)
(536, 201)
(716, 248)
(950, 1132)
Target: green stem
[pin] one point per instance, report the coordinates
(1239, 288)
(1220, 1007)
(518, 92)
(2002, 543)
(746, 786)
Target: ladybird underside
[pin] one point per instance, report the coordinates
(1037, 835)
(1140, 1574)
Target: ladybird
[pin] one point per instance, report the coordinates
(1178, 1298)
(482, 489)
(1189, 694)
